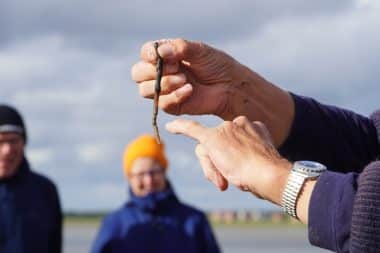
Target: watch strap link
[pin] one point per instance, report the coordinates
(291, 193)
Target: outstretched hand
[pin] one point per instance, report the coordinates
(239, 152)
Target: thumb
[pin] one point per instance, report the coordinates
(180, 49)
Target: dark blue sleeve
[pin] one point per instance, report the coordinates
(56, 235)
(330, 211)
(344, 211)
(342, 140)
(365, 224)
(104, 236)
(210, 244)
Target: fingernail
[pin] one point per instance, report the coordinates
(166, 50)
(168, 126)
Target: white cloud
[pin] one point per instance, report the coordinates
(366, 3)
(108, 27)
(94, 152)
(328, 57)
(73, 85)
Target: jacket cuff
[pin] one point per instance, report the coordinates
(298, 128)
(375, 117)
(330, 210)
(365, 234)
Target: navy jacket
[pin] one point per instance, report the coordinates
(344, 209)
(155, 223)
(30, 214)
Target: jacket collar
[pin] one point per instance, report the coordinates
(155, 201)
(22, 170)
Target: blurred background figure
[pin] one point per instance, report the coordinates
(153, 220)
(30, 212)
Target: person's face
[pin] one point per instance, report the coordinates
(146, 176)
(11, 153)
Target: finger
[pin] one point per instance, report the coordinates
(172, 103)
(180, 49)
(169, 83)
(192, 99)
(174, 50)
(144, 71)
(148, 52)
(253, 128)
(189, 128)
(209, 170)
(262, 130)
(243, 122)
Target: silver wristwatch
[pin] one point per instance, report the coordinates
(301, 171)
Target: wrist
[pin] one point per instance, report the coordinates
(272, 182)
(304, 200)
(278, 181)
(252, 96)
(238, 94)
(299, 187)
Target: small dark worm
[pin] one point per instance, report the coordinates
(157, 90)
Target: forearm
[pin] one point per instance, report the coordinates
(252, 96)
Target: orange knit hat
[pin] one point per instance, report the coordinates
(143, 146)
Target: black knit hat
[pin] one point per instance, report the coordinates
(11, 121)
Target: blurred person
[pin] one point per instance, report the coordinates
(30, 213)
(153, 220)
(317, 161)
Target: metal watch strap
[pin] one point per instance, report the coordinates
(291, 192)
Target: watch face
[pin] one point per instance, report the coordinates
(310, 164)
(309, 168)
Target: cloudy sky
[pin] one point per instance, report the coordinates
(66, 66)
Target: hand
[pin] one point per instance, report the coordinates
(196, 76)
(198, 79)
(238, 152)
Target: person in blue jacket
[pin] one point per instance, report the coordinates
(30, 213)
(265, 138)
(153, 220)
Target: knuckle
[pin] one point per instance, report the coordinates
(173, 103)
(182, 44)
(227, 125)
(166, 106)
(170, 106)
(241, 120)
(190, 125)
(198, 150)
